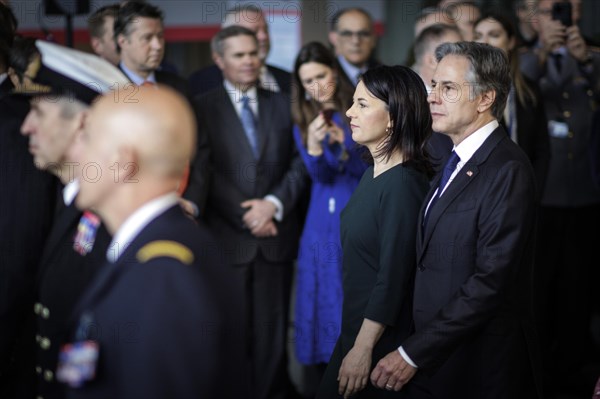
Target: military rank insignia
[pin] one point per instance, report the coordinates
(86, 233)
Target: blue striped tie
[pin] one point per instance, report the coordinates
(249, 123)
(446, 173)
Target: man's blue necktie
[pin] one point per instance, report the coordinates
(446, 173)
(249, 123)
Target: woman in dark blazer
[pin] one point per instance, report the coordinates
(524, 116)
(390, 117)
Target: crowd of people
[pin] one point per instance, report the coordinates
(433, 217)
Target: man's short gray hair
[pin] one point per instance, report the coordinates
(217, 44)
(488, 70)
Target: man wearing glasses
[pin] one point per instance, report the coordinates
(353, 39)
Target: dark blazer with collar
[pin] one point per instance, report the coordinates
(170, 79)
(211, 77)
(26, 213)
(474, 335)
(162, 324)
(63, 276)
(532, 134)
(570, 96)
(225, 173)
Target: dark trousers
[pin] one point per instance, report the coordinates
(267, 293)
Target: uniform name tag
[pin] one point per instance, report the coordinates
(77, 363)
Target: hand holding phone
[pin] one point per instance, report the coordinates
(327, 115)
(562, 12)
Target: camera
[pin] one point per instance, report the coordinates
(562, 12)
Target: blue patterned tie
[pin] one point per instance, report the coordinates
(446, 173)
(249, 123)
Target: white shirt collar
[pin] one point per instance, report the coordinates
(469, 145)
(135, 78)
(70, 191)
(235, 95)
(136, 222)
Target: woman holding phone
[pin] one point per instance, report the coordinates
(334, 163)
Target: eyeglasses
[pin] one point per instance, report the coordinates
(361, 34)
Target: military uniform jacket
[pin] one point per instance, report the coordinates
(63, 276)
(570, 96)
(158, 314)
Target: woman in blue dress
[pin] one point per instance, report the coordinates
(335, 165)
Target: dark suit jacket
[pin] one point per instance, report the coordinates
(175, 81)
(26, 212)
(532, 135)
(170, 79)
(63, 276)
(225, 173)
(439, 146)
(474, 335)
(211, 77)
(161, 323)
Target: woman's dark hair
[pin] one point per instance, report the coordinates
(22, 54)
(524, 93)
(406, 97)
(304, 109)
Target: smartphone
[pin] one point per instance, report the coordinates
(327, 115)
(561, 11)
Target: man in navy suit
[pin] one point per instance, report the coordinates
(246, 180)
(474, 336)
(154, 319)
(271, 78)
(139, 34)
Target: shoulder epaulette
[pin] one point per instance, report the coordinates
(169, 249)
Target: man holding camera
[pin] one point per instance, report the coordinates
(568, 72)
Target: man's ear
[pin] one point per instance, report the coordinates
(96, 45)
(218, 60)
(487, 100)
(120, 40)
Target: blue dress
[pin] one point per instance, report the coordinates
(334, 174)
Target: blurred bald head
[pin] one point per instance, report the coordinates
(141, 141)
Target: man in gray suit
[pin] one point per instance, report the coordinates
(246, 181)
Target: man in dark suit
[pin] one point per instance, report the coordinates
(246, 181)
(474, 334)
(271, 78)
(352, 35)
(26, 211)
(102, 38)
(139, 34)
(154, 314)
(77, 243)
